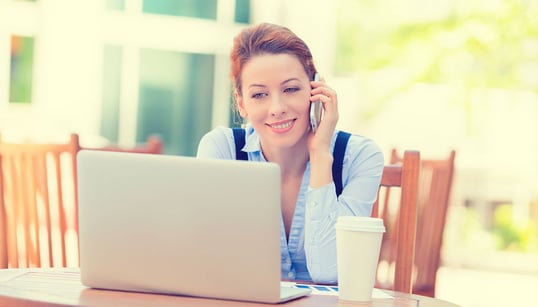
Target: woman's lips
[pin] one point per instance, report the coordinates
(282, 126)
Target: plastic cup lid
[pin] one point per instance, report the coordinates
(360, 223)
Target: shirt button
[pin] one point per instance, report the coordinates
(295, 231)
(291, 275)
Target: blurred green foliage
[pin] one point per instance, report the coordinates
(503, 234)
(513, 236)
(471, 44)
(472, 231)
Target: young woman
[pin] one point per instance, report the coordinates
(272, 72)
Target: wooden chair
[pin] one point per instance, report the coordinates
(154, 145)
(38, 211)
(395, 270)
(435, 185)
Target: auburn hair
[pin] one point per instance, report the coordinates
(267, 38)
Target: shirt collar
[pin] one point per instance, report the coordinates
(252, 143)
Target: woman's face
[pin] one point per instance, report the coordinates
(276, 99)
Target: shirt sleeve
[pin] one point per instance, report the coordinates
(362, 170)
(217, 144)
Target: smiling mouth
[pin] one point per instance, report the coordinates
(282, 125)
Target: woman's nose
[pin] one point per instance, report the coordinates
(278, 105)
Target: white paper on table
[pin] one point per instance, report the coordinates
(332, 290)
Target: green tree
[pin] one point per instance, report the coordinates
(473, 45)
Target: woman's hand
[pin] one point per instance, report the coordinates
(321, 139)
(319, 143)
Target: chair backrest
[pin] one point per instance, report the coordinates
(395, 270)
(154, 145)
(436, 176)
(38, 208)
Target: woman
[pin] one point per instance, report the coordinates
(272, 71)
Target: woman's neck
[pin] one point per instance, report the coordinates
(291, 160)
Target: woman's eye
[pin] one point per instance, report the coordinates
(291, 89)
(258, 95)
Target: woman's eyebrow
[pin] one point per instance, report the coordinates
(290, 79)
(256, 85)
(282, 83)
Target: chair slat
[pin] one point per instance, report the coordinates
(61, 205)
(398, 247)
(435, 185)
(33, 242)
(29, 199)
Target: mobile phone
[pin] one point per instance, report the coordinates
(316, 108)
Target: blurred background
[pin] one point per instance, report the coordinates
(410, 74)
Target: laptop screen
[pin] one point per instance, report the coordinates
(179, 225)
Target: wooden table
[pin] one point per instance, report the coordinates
(62, 287)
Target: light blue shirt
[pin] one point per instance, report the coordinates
(310, 254)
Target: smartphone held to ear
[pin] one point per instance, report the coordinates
(316, 108)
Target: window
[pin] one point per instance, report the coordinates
(175, 98)
(204, 9)
(21, 69)
(165, 80)
(112, 59)
(151, 71)
(242, 11)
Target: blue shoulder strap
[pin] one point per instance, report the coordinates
(239, 138)
(338, 154)
(338, 160)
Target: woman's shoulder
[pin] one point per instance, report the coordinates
(216, 143)
(219, 131)
(359, 141)
(362, 146)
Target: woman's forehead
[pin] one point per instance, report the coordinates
(272, 66)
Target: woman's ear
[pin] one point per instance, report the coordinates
(240, 104)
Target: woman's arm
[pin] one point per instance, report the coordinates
(362, 170)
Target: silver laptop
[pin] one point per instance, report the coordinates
(180, 225)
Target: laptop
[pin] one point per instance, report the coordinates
(181, 225)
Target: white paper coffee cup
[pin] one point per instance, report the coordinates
(358, 242)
